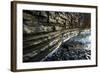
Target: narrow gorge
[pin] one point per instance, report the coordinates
(56, 36)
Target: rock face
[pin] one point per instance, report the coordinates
(44, 30)
(73, 49)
